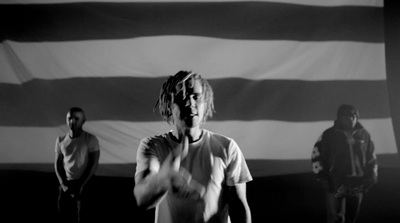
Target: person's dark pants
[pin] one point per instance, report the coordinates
(70, 205)
(343, 208)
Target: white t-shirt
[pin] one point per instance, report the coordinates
(215, 161)
(76, 152)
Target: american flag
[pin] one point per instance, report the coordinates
(279, 70)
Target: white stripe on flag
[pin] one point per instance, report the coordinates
(215, 58)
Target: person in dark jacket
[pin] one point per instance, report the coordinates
(345, 163)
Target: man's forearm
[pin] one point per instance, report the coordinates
(60, 172)
(91, 167)
(150, 191)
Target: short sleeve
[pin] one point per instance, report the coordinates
(237, 170)
(146, 159)
(57, 146)
(94, 144)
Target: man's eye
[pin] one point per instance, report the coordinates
(197, 96)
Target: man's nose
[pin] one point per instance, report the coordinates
(190, 102)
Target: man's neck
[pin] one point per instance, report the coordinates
(193, 134)
(75, 134)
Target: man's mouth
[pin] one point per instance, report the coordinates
(190, 115)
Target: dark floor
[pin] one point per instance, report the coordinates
(29, 196)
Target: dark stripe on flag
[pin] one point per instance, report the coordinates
(45, 102)
(228, 20)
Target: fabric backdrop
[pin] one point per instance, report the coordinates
(279, 70)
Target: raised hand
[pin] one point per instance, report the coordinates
(183, 185)
(179, 180)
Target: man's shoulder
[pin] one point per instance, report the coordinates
(91, 140)
(331, 130)
(218, 137)
(61, 138)
(155, 138)
(212, 134)
(89, 136)
(360, 127)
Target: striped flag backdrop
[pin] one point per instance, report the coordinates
(279, 70)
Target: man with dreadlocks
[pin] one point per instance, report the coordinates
(191, 174)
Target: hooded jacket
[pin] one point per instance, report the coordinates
(345, 157)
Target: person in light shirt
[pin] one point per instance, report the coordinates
(191, 174)
(76, 160)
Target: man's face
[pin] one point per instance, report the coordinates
(188, 108)
(75, 120)
(349, 120)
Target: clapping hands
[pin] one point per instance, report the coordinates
(178, 180)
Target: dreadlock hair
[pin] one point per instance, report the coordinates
(176, 84)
